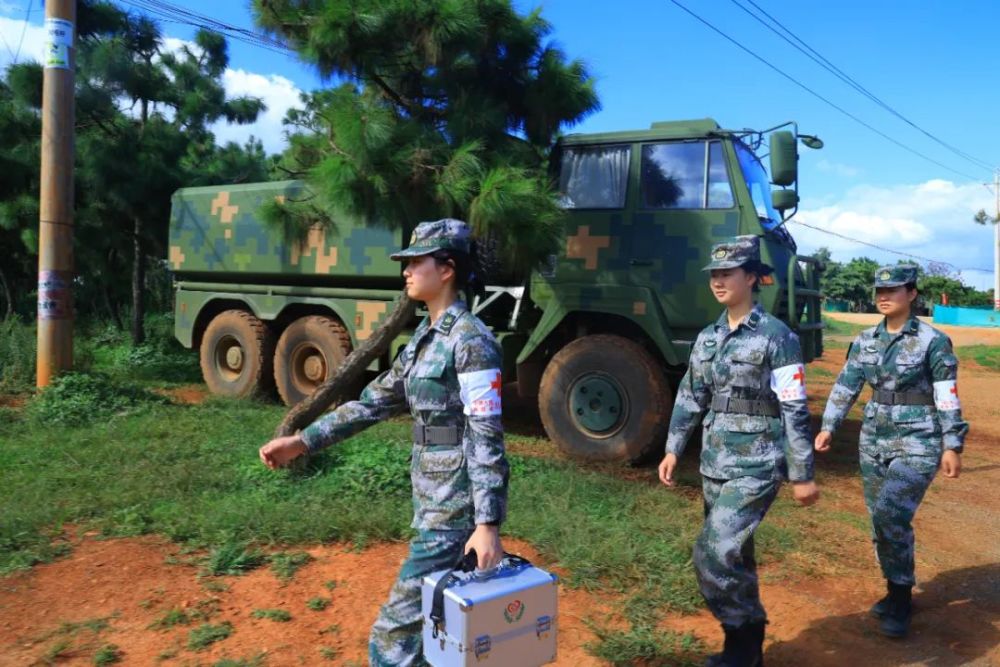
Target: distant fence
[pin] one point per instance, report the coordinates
(968, 316)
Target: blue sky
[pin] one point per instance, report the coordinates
(931, 60)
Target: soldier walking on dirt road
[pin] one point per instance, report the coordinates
(448, 376)
(746, 372)
(912, 426)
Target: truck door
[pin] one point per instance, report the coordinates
(684, 204)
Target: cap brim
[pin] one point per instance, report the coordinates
(890, 283)
(722, 265)
(412, 252)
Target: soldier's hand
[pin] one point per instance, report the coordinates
(806, 493)
(823, 441)
(486, 541)
(281, 451)
(666, 469)
(951, 464)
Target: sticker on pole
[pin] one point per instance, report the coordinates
(54, 296)
(58, 41)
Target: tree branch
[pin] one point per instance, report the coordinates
(337, 385)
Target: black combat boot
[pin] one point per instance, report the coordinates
(896, 621)
(743, 647)
(881, 608)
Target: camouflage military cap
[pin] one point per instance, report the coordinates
(894, 276)
(734, 252)
(429, 237)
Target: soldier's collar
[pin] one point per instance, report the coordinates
(751, 320)
(912, 326)
(450, 316)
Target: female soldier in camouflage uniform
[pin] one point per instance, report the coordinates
(912, 425)
(448, 375)
(746, 372)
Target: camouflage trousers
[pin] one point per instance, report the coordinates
(893, 491)
(724, 551)
(396, 638)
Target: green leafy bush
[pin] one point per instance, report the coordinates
(75, 399)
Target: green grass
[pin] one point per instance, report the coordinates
(172, 618)
(987, 356)
(278, 615)
(644, 645)
(838, 328)
(318, 603)
(206, 634)
(286, 564)
(108, 654)
(233, 558)
(256, 661)
(328, 653)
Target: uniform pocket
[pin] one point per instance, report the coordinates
(869, 362)
(746, 368)
(427, 389)
(441, 492)
(740, 423)
(432, 462)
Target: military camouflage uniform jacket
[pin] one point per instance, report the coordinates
(448, 375)
(744, 364)
(918, 359)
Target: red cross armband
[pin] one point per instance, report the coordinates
(480, 392)
(946, 395)
(789, 382)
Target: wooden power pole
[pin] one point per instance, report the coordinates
(55, 233)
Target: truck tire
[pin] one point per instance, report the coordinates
(236, 354)
(308, 352)
(605, 398)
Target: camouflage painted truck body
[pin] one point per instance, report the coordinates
(597, 336)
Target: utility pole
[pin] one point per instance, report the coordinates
(55, 228)
(996, 242)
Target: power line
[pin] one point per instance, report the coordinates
(818, 96)
(884, 249)
(823, 62)
(175, 14)
(24, 29)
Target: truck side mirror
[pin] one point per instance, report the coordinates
(782, 200)
(784, 158)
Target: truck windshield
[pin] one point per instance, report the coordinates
(759, 185)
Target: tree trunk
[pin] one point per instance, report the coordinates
(7, 295)
(304, 413)
(138, 287)
(112, 308)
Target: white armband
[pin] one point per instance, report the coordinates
(946, 395)
(789, 382)
(480, 392)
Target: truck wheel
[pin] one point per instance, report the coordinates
(605, 398)
(236, 355)
(308, 352)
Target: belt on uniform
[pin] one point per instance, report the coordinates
(435, 435)
(886, 397)
(745, 406)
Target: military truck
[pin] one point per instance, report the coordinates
(599, 336)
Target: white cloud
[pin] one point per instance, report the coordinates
(32, 46)
(837, 168)
(278, 94)
(931, 219)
